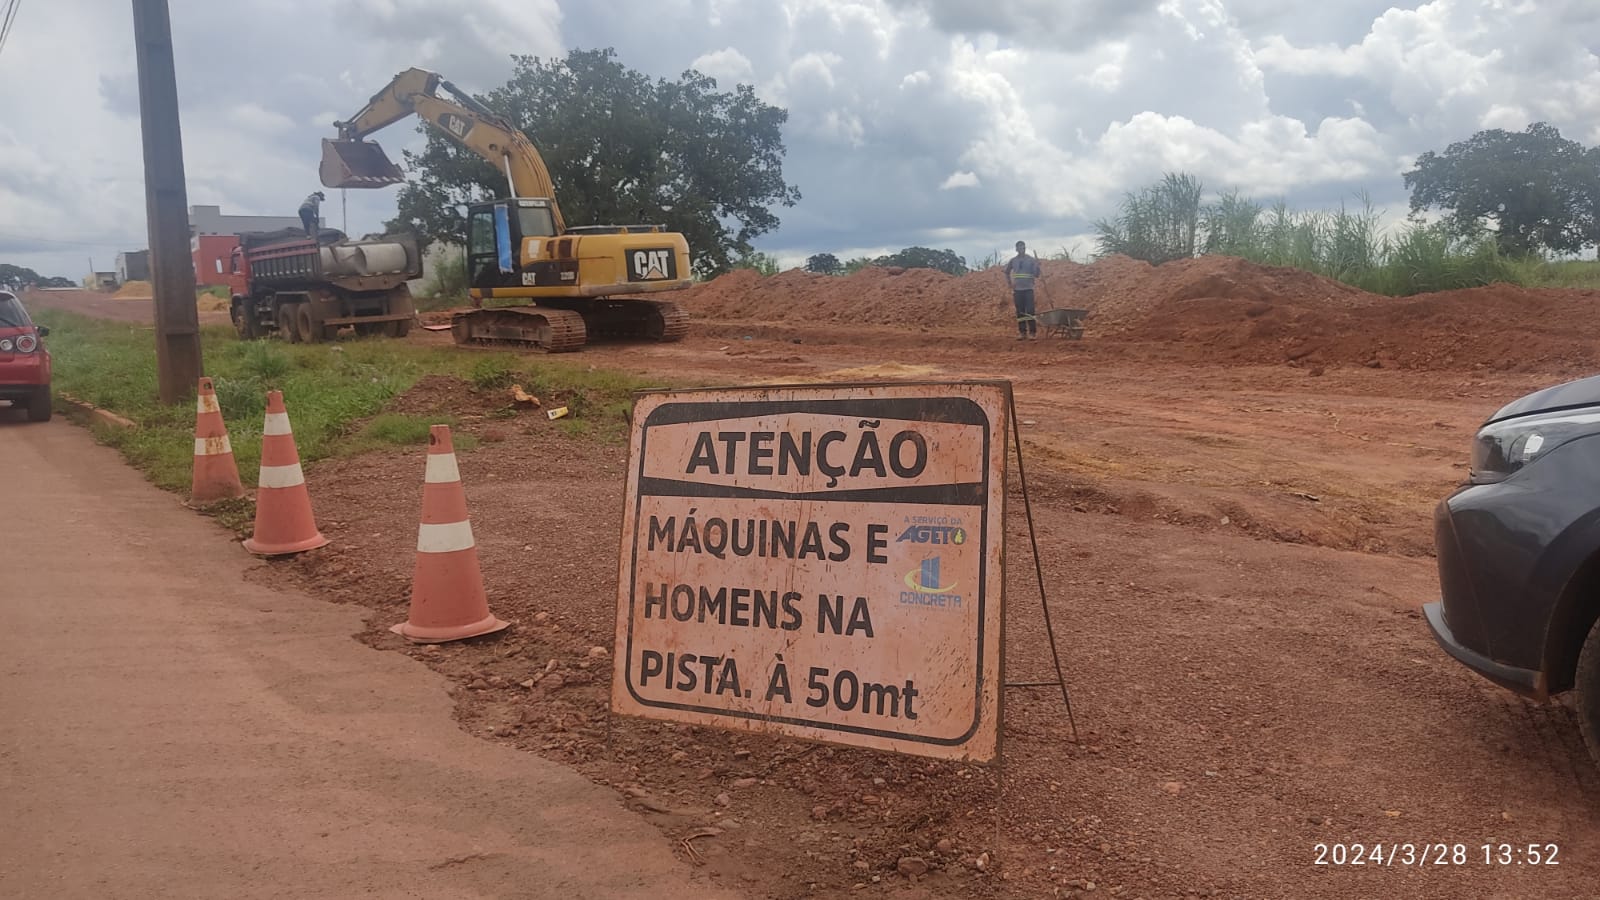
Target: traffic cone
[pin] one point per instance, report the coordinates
(284, 523)
(216, 475)
(447, 599)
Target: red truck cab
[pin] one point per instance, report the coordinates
(24, 361)
(238, 273)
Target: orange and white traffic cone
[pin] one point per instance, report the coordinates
(284, 523)
(447, 599)
(216, 475)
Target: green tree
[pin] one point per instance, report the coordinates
(824, 264)
(12, 278)
(1158, 224)
(852, 266)
(765, 263)
(621, 149)
(923, 258)
(1541, 191)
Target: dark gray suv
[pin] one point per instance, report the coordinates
(1519, 551)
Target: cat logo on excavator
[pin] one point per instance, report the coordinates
(456, 125)
(651, 265)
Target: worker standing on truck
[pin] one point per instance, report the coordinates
(310, 212)
(1022, 271)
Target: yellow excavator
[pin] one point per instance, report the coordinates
(590, 281)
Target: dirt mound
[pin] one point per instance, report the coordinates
(1119, 293)
(134, 290)
(870, 297)
(1213, 308)
(1500, 327)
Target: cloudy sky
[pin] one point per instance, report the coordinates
(952, 123)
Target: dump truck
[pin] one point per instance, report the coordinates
(306, 289)
(565, 284)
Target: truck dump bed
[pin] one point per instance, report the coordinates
(288, 259)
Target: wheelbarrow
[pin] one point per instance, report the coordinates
(1067, 323)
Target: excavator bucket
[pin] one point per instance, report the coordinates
(357, 164)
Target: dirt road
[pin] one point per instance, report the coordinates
(168, 729)
(104, 306)
(1239, 554)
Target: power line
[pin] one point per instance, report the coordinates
(11, 17)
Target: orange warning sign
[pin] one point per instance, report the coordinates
(820, 562)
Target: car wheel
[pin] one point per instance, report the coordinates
(39, 405)
(1588, 693)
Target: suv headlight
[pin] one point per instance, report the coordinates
(1502, 449)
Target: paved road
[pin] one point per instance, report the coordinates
(169, 730)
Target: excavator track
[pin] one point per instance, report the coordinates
(650, 320)
(550, 330)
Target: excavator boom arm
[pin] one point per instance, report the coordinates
(353, 161)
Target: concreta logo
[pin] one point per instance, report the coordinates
(925, 578)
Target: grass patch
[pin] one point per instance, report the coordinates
(336, 393)
(401, 430)
(1569, 273)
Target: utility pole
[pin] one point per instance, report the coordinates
(166, 204)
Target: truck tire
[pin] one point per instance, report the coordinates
(308, 329)
(39, 405)
(287, 329)
(397, 329)
(1587, 682)
(244, 320)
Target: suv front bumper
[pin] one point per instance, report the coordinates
(1527, 682)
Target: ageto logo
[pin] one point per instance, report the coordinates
(933, 534)
(927, 588)
(652, 265)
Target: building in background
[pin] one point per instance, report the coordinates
(133, 265)
(212, 237)
(212, 253)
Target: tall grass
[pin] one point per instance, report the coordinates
(1160, 223)
(1166, 221)
(1583, 274)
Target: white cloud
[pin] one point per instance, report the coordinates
(1460, 64)
(252, 117)
(727, 65)
(896, 107)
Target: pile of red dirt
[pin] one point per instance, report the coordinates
(1500, 327)
(1119, 293)
(1211, 308)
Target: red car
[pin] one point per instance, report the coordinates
(24, 362)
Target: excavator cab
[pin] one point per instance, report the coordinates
(357, 164)
(495, 232)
